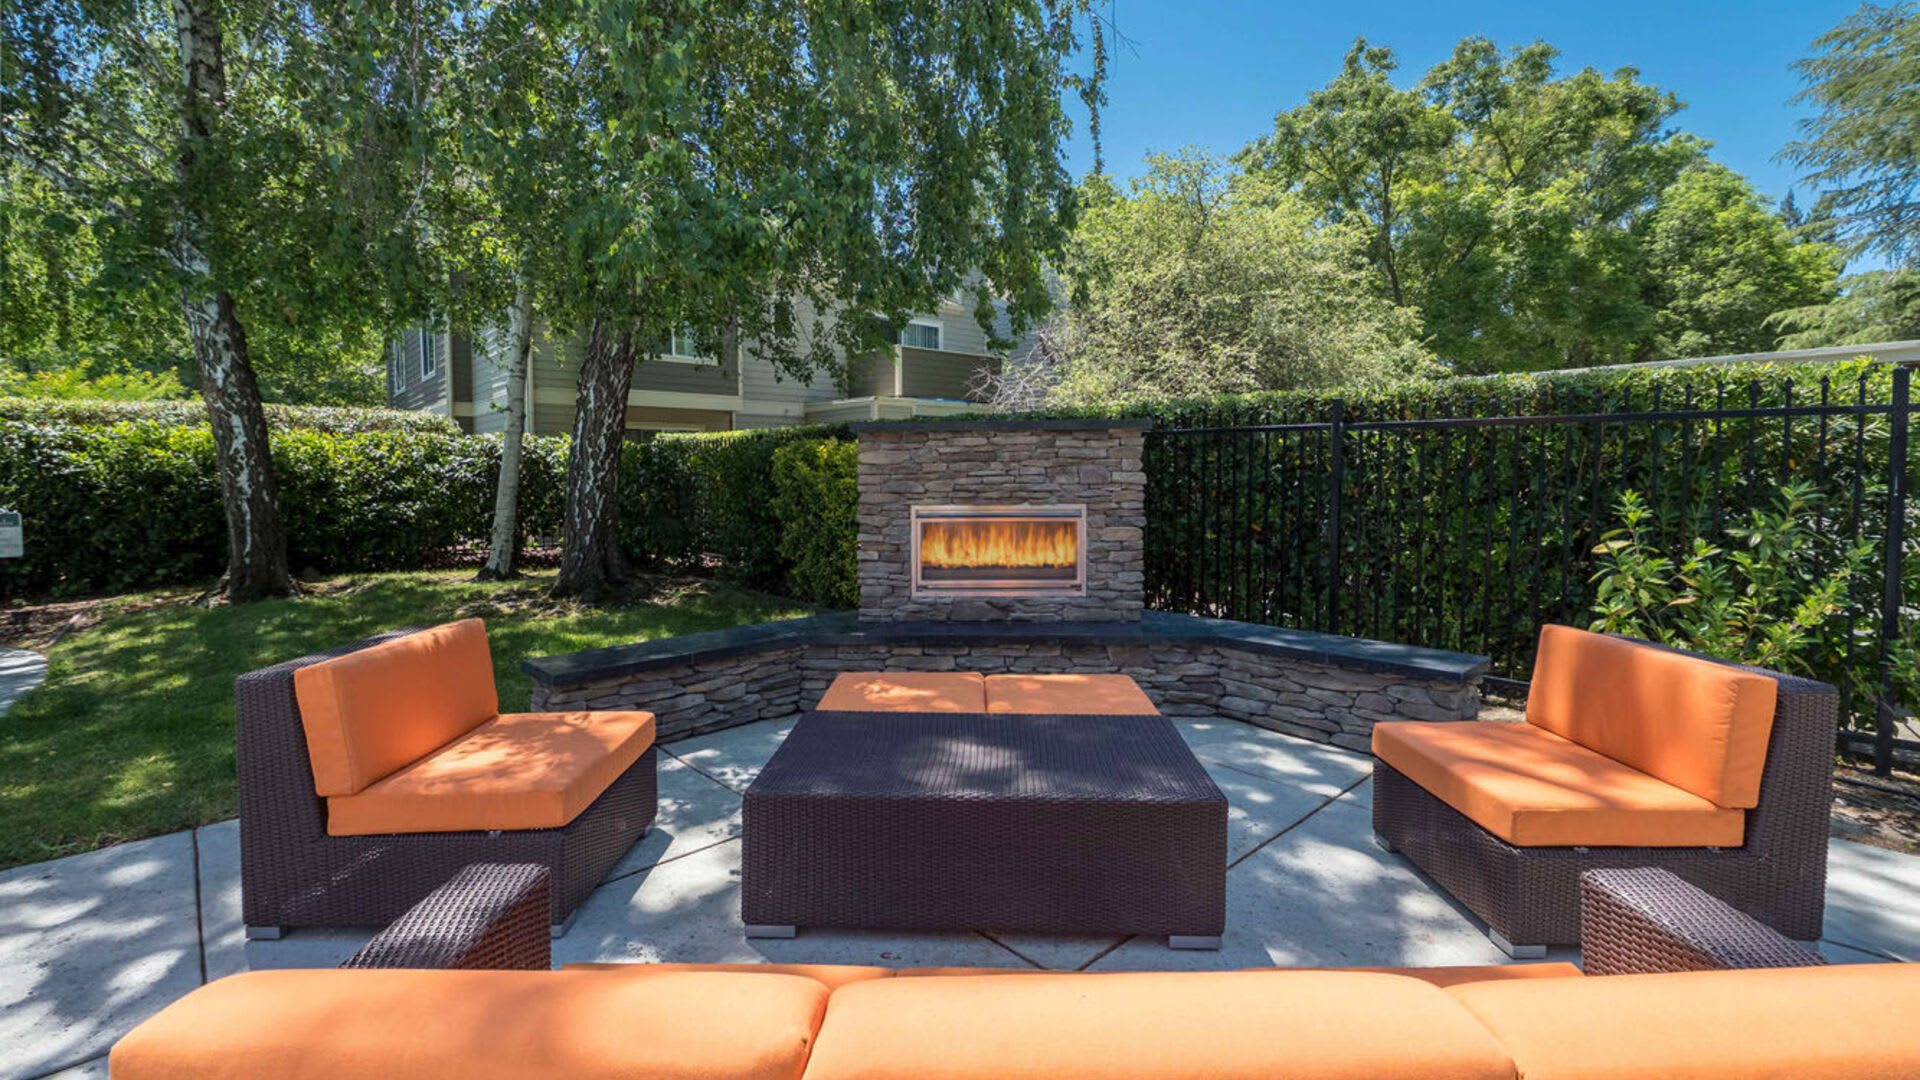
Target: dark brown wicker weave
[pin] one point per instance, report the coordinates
(1644, 920)
(489, 917)
(293, 874)
(929, 821)
(1531, 896)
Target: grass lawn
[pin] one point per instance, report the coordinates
(132, 733)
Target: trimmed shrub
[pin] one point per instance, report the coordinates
(817, 500)
(685, 497)
(94, 413)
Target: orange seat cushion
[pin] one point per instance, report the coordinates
(831, 976)
(1698, 725)
(478, 1025)
(1533, 788)
(1084, 695)
(1846, 1022)
(906, 691)
(376, 710)
(516, 771)
(1153, 1026)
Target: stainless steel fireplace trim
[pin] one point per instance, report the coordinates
(1075, 512)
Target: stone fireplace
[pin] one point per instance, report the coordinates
(1002, 520)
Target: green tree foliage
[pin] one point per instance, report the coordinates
(1507, 202)
(1862, 147)
(1873, 306)
(237, 157)
(717, 167)
(1719, 262)
(1194, 282)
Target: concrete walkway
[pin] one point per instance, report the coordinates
(20, 671)
(92, 944)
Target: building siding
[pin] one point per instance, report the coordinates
(406, 387)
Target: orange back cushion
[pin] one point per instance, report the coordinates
(1217, 1025)
(1700, 726)
(379, 709)
(1819, 1023)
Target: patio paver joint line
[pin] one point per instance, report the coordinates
(199, 903)
(1329, 801)
(58, 1069)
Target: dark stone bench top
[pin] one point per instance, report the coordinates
(1154, 628)
(1049, 423)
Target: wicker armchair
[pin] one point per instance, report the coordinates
(294, 874)
(1530, 897)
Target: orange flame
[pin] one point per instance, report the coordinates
(988, 542)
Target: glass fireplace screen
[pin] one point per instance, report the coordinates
(999, 550)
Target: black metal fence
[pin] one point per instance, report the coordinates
(1468, 531)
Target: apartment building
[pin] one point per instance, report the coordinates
(927, 371)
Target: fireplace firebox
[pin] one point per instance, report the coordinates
(999, 550)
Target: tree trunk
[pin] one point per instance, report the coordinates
(590, 556)
(505, 542)
(256, 539)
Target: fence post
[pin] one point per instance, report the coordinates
(1896, 540)
(1336, 483)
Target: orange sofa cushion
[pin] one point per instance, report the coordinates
(478, 1025)
(906, 691)
(516, 771)
(1696, 724)
(1846, 1022)
(831, 976)
(1085, 695)
(1444, 977)
(1153, 1026)
(373, 711)
(1533, 788)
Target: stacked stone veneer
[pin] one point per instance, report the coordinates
(1033, 462)
(1336, 705)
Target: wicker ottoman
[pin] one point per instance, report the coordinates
(962, 821)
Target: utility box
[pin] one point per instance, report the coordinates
(13, 542)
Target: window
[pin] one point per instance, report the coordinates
(429, 353)
(396, 367)
(920, 335)
(684, 347)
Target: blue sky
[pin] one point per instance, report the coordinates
(1214, 72)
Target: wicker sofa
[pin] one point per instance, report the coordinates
(1632, 755)
(371, 773)
(461, 989)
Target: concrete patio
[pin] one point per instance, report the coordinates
(92, 944)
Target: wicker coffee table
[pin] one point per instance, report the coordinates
(964, 821)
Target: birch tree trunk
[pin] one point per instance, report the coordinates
(256, 538)
(505, 542)
(590, 556)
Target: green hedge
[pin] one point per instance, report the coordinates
(194, 414)
(138, 504)
(817, 500)
(685, 498)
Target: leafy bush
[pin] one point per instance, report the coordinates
(96, 413)
(1769, 601)
(124, 383)
(817, 501)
